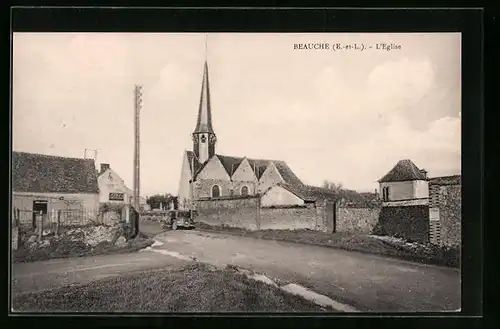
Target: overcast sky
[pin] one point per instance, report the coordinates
(345, 116)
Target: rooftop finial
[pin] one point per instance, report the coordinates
(206, 46)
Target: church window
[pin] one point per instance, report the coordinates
(231, 192)
(244, 191)
(215, 191)
(203, 139)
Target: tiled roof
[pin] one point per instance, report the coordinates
(314, 193)
(310, 193)
(287, 173)
(446, 180)
(46, 173)
(231, 163)
(193, 160)
(404, 170)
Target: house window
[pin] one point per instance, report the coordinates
(385, 193)
(244, 191)
(215, 191)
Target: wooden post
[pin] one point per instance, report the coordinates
(17, 217)
(58, 221)
(257, 219)
(40, 225)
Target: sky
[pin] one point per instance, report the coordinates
(345, 116)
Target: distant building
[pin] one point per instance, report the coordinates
(283, 194)
(112, 188)
(404, 184)
(47, 183)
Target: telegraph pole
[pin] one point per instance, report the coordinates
(138, 106)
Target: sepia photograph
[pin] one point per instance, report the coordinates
(236, 172)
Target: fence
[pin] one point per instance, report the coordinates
(28, 220)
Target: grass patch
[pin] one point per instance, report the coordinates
(425, 254)
(195, 287)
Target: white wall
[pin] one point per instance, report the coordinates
(184, 188)
(421, 189)
(111, 182)
(278, 196)
(270, 177)
(398, 190)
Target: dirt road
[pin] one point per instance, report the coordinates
(367, 282)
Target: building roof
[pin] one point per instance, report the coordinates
(47, 173)
(204, 122)
(231, 163)
(309, 193)
(446, 180)
(314, 193)
(404, 170)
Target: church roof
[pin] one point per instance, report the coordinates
(231, 163)
(404, 170)
(204, 121)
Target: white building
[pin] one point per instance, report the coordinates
(404, 184)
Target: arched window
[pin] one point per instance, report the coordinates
(244, 191)
(215, 191)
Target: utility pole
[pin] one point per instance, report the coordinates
(137, 108)
(191, 190)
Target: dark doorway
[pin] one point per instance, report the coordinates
(39, 205)
(331, 220)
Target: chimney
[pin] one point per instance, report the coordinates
(104, 167)
(423, 171)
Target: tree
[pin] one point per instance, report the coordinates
(332, 186)
(158, 200)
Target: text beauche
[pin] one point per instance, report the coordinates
(309, 46)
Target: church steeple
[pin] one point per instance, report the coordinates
(204, 122)
(204, 138)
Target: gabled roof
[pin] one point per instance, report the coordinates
(231, 163)
(314, 193)
(309, 193)
(446, 180)
(47, 173)
(404, 170)
(258, 166)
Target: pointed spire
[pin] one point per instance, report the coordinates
(204, 122)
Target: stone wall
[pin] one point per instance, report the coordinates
(289, 218)
(203, 187)
(357, 220)
(451, 220)
(408, 222)
(234, 212)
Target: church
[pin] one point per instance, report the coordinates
(208, 175)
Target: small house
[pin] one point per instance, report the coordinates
(46, 183)
(404, 184)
